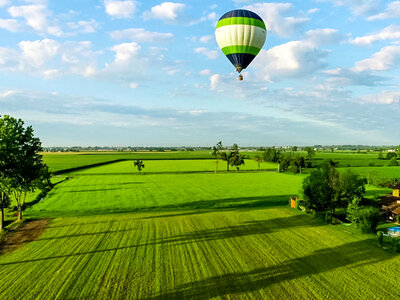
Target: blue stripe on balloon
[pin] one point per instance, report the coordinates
(240, 60)
(240, 13)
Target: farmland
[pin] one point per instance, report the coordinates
(180, 231)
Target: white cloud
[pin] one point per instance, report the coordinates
(205, 72)
(205, 39)
(324, 36)
(10, 25)
(385, 97)
(85, 26)
(36, 16)
(215, 80)
(293, 59)
(134, 85)
(388, 33)
(388, 57)
(210, 54)
(166, 11)
(125, 52)
(8, 93)
(120, 9)
(313, 10)
(4, 2)
(141, 35)
(212, 16)
(344, 77)
(358, 7)
(37, 53)
(392, 11)
(276, 19)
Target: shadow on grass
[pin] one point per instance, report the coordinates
(175, 172)
(320, 261)
(245, 229)
(216, 204)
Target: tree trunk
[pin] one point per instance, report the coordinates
(216, 166)
(2, 211)
(2, 217)
(227, 165)
(19, 213)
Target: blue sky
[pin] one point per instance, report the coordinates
(147, 73)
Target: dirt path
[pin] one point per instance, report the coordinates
(22, 235)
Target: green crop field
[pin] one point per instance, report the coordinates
(380, 173)
(181, 231)
(102, 189)
(62, 161)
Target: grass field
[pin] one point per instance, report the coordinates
(380, 173)
(272, 252)
(181, 231)
(102, 189)
(68, 160)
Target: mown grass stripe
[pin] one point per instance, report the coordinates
(241, 21)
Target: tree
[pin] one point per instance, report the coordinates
(326, 189)
(257, 158)
(353, 210)
(294, 148)
(5, 189)
(237, 160)
(139, 164)
(319, 187)
(392, 162)
(20, 160)
(217, 149)
(310, 152)
(390, 155)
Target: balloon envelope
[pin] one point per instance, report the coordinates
(240, 34)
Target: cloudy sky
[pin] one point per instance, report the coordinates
(146, 73)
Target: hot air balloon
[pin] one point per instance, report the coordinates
(240, 34)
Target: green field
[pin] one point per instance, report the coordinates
(69, 160)
(103, 189)
(181, 231)
(381, 173)
(270, 252)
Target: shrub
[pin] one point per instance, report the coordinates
(368, 218)
(392, 162)
(396, 244)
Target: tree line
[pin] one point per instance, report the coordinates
(21, 167)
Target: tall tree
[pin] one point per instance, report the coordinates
(258, 159)
(20, 160)
(217, 153)
(237, 160)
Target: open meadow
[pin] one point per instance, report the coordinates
(180, 231)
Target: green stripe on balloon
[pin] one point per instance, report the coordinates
(241, 21)
(240, 49)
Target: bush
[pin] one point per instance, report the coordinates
(368, 218)
(391, 155)
(392, 162)
(396, 244)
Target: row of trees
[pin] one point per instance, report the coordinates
(21, 167)
(289, 161)
(232, 156)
